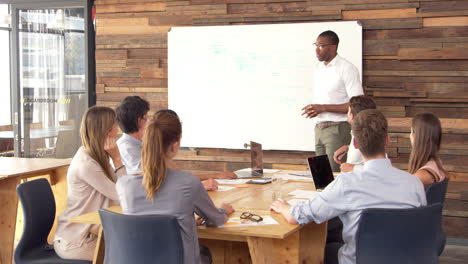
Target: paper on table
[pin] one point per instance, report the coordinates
(237, 222)
(303, 194)
(301, 173)
(270, 171)
(264, 170)
(233, 182)
(246, 173)
(224, 188)
(292, 177)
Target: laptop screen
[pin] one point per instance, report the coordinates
(256, 158)
(321, 171)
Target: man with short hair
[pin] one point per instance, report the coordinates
(378, 185)
(336, 80)
(132, 114)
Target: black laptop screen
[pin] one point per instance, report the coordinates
(321, 171)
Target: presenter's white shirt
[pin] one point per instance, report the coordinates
(335, 83)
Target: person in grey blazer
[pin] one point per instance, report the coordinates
(160, 189)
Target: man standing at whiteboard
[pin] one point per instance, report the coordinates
(336, 80)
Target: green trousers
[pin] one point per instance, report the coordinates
(328, 140)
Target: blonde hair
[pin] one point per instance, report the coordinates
(163, 129)
(95, 125)
(427, 138)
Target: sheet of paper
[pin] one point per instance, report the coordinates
(292, 177)
(301, 173)
(264, 170)
(224, 188)
(232, 182)
(237, 222)
(247, 172)
(270, 171)
(303, 194)
(246, 169)
(244, 173)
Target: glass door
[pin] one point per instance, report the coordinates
(6, 128)
(51, 80)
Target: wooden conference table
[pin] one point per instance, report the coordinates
(283, 243)
(12, 171)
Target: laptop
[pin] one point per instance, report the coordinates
(256, 162)
(321, 171)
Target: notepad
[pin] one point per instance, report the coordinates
(224, 188)
(231, 182)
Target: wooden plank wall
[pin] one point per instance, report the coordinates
(415, 59)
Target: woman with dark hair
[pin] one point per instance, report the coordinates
(163, 190)
(426, 135)
(91, 183)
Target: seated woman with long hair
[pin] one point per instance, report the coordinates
(91, 183)
(163, 190)
(426, 135)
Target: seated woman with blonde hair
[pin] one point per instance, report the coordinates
(91, 183)
(426, 135)
(164, 190)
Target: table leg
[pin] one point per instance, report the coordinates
(58, 182)
(227, 252)
(100, 248)
(305, 246)
(8, 209)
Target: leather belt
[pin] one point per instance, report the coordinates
(326, 124)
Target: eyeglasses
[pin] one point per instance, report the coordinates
(250, 216)
(322, 46)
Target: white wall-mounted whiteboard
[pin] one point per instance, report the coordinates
(234, 84)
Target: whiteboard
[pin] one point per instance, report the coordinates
(234, 84)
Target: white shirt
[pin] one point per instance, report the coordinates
(335, 83)
(130, 152)
(354, 156)
(378, 185)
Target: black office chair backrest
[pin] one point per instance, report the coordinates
(435, 192)
(38, 203)
(398, 235)
(141, 238)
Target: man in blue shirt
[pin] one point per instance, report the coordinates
(378, 185)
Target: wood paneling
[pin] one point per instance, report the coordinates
(415, 59)
(383, 13)
(124, 8)
(433, 54)
(459, 21)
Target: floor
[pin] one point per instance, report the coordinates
(455, 252)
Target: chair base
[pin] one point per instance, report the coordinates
(45, 256)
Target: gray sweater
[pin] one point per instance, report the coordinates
(181, 195)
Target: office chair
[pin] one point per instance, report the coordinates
(404, 236)
(38, 203)
(141, 238)
(435, 193)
